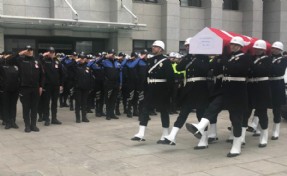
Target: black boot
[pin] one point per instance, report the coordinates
(47, 121)
(40, 117)
(55, 121)
(33, 126)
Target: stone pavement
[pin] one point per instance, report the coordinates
(104, 148)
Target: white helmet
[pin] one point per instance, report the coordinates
(187, 41)
(260, 44)
(172, 54)
(178, 56)
(278, 45)
(159, 44)
(237, 40)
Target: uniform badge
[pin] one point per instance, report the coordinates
(160, 64)
(36, 62)
(36, 66)
(16, 68)
(87, 70)
(279, 61)
(155, 61)
(57, 62)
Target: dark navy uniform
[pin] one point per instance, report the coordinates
(9, 83)
(195, 92)
(141, 81)
(131, 83)
(160, 79)
(51, 90)
(112, 84)
(31, 79)
(83, 83)
(235, 98)
(277, 85)
(99, 75)
(259, 94)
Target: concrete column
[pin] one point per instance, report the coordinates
(1, 29)
(252, 17)
(121, 40)
(2, 40)
(271, 20)
(170, 25)
(283, 23)
(213, 13)
(59, 9)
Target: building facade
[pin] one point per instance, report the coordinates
(126, 25)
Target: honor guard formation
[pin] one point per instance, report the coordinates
(142, 84)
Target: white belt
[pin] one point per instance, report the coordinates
(196, 79)
(156, 80)
(276, 78)
(257, 79)
(233, 79)
(218, 76)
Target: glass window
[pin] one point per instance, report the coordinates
(86, 46)
(195, 3)
(15, 44)
(139, 45)
(230, 4)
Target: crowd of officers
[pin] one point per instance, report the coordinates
(235, 81)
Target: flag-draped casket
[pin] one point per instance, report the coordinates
(212, 41)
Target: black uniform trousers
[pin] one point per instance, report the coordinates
(262, 115)
(148, 106)
(9, 100)
(99, 94)
(111, 94)
(29, 97)
(184, 112)
(50, 94)
(174, 97)
(81, 98)
(131, 88)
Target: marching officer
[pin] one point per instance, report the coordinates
(194, 94)
(259, 94)
(52, 87)
(160, 79)
(234, 97)
(278, 67)
(31, 83)
(9, 83)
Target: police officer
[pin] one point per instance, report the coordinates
(68, 63)
(142, 77)
(258, 90)
(194, 94)
(31, 83)
(160, 79)
(131, 82)
(278, 67)
(234, 98)
(98, 73)
(9, 82)
(123, 93)
(112, 82)
(52, 87)
(83, 83)
(178, 81)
